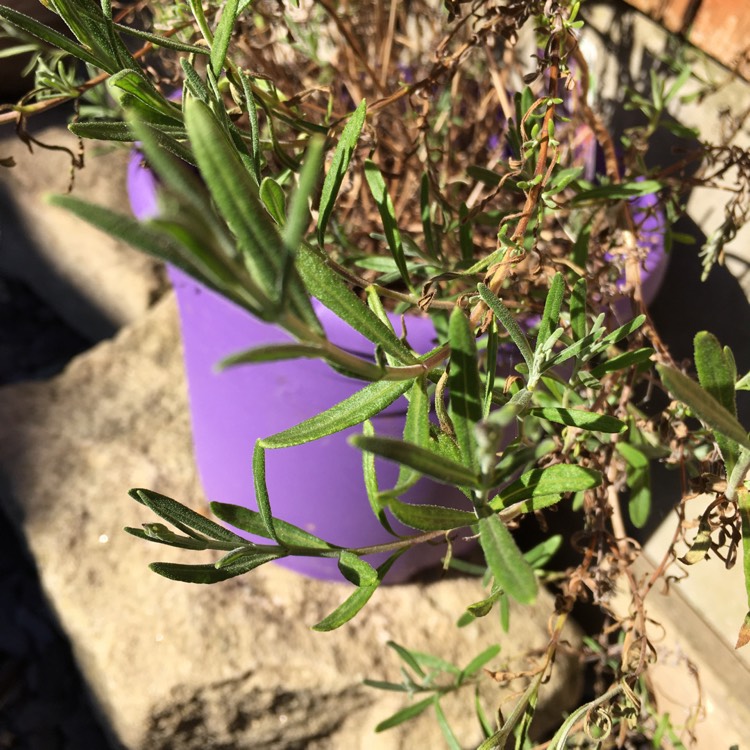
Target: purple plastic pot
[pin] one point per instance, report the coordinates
(317, 486)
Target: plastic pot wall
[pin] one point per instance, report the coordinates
(317, 486)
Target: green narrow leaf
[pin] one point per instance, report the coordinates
(448, 734)
(509, 568)
(743, 501)
(552, 305)
(484, 722)
(299, 209)
(339, 164)
(479, 661)
(407, 657)
(578, 309)
(395, 687)
(581, 245)
(237, 196)
(210, 573)
(123, 132)
(325, 284)
(145, 238)
(252, 116)
(504, 315)
(272, 195)
(194, 82)
(419, 459)
(428, 228)
(416, 430)
(223, 36)
(465, 234)
(161, 41)
(135, 83)
(620, 333)
(252, 522)
(354, 603)
(430, 517)
(622, 361)
(387, 212)
(639, 482)
(465, 390)
(703, 405)
(404, 714)
(435, 663)
(261, 491)
(484, 607)
(491, 368)
(551, 480)
(620, 191)
(362, 405)
(717, 375)
(160, 534)
(356, 570)
(182, 517)
(371, 481)
(46, 34)
(587, 420)
(540, 555)
(271, 353)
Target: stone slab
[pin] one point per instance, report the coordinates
(96, 284)
(236, 664)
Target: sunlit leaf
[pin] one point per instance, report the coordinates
(274, 199)
(504, 315)
(465, 389)
(237, 197)
(210, 573)
(430, 517)
(622, 361)
(223, 35)
(703, 405)
(586, 420)
(552, 305)
(339, 164)
(356, 570)
(551, 480)
(422, 460)
(252, 522)
(45, 33)
(182, 517)
(717, 375)
(325, 284)
(404, 714)
(639, 483)
(362, 405)
(354, 603)
(509, 568)
(385, 207)
(743, 501)
(620, 191)
(448, 734)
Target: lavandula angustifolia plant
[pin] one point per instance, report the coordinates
(470, 206)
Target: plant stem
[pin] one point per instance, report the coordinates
(738, 475)
(496, 275)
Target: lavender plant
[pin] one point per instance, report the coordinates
(440, 184)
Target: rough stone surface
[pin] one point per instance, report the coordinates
(95, 283)
(228, 666)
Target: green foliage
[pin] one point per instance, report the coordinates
(272, 194)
